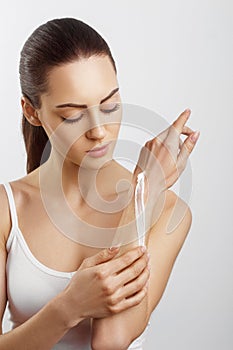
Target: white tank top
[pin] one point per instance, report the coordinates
(31, 285)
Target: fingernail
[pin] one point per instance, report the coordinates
(112, 249)
(148, 254)
(195, 136)
(187, 110)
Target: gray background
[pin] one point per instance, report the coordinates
(170, 55)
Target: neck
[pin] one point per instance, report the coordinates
(77, 182)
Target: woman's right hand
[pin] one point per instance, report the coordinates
(103, 286)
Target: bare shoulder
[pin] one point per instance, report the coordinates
(5, 222)
(21, 188)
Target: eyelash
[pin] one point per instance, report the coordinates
(71, 121)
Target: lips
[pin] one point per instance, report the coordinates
(99, 148)
(99, 151)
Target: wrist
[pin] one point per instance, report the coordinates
(64, 311)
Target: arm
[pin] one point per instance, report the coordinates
(46, 327)
(40, 332)
(68, 308)
(163, 248)
(163, 165)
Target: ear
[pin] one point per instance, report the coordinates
(30, 112)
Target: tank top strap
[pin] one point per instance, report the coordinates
(13, 212)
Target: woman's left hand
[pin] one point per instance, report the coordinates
(164, 157)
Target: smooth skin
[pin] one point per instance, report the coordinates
(128, 284)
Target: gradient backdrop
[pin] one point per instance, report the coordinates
(170, 55)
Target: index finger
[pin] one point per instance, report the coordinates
(125, 260)
(175, 130)
(179, 123)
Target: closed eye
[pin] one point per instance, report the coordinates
(73, 120)
(112, 107)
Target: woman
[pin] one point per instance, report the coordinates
(62, 292)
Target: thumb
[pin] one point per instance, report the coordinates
(99, 258)
(186, 149)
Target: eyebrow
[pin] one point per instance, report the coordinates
(74, 105)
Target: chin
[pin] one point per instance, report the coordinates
(96, 164)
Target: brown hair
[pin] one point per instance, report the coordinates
(54, 43)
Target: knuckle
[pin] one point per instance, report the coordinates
(107, 289)
(113, 301)
(113, 309)
(100, 273)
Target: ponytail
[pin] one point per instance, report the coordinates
(35, 140)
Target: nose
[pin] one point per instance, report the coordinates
(98, 131)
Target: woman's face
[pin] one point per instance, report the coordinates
(82, 110)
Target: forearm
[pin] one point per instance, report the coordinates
(40, 332)
(118, 332)
(153, 206)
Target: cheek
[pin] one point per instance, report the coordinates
(113, 127)
(65, 138)
(114, 131)
(71, 146)
(78, 149)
